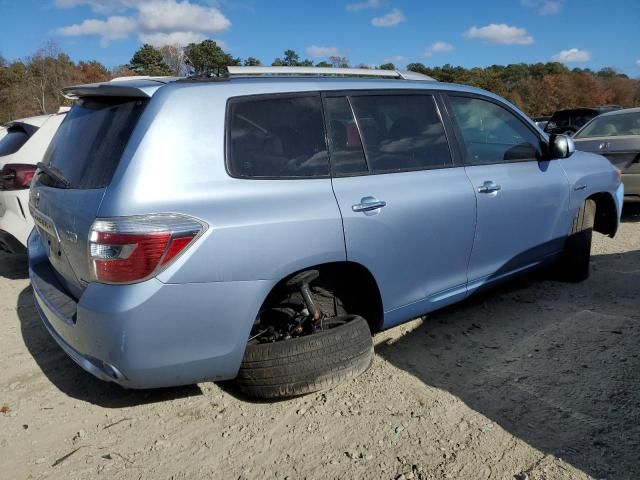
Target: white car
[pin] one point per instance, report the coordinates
(22, 145)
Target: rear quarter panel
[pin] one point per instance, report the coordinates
(258, 229)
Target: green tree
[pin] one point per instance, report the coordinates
(207, 57)
(323, 64)
(387, 66)
(252, 62)
(291, 59)
(147, 60)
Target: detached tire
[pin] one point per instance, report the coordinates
(306, 364)
(577, 250)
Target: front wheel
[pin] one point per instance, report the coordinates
(309, 363)
(574, 263)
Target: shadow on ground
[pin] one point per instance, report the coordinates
(555, 364)
(13, 266)
(70, 378)
(631, 211)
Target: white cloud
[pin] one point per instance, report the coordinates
(573, 55)
(174, 38)
(367, 4)
(438, 47)
(391, 19)
(500, 34)
(158, 22)
(396, 59)
(170, 16)
(316, 51)
(638, 63)
(544, 7)
(113, 28)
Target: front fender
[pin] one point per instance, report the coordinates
(590, 174)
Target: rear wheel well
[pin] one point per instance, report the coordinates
(606, 220)
(352, 283)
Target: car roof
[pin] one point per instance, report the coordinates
(147, 86)
(621, 112)
(244, 85)
(36, 121)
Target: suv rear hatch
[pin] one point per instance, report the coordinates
(78, 167)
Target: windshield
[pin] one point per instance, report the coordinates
(612, 126)
(87, 147)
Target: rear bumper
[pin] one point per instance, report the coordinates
(14, 215)
(150, 334)
(631, 183)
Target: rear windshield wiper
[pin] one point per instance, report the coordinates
(54, 173)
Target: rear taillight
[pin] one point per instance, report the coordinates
(16, 176)
(132, 249)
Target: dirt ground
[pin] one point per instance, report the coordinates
(534, 380)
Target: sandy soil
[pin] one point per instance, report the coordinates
(534, 380)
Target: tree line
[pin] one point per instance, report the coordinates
(32, 85)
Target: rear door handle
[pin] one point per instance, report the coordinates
(489, 187)
(368, 204)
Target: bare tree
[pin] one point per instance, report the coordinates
(339, 62)
(46, 72)
(173, 56)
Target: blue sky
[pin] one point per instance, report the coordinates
(580, 33)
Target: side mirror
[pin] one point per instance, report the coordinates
(561, 146)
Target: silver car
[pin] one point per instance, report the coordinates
(260, 225)
(616, 135)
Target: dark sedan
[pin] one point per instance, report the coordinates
(569, 121)
(616, 135)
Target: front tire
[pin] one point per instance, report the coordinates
(306, 364)
(577, 251)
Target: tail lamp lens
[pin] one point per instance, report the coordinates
(16, 176)
(132, 249)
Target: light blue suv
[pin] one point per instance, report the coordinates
(261, 224)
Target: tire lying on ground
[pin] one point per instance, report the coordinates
(307, 364)
(574, 264)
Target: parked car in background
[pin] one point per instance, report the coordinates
(542, 121)
(616, 135)
(258, 227)
(570, 120)
(21, 148)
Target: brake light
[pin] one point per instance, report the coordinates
(16, 176)
(132, 249)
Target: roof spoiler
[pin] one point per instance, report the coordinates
(138, 86)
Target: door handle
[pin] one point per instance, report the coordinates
(489, 187)
(367, 204)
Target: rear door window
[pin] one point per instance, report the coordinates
(88, 145)
(347, 155)
(13, 141)
(401, 132)
(492, 134)
(276, 137)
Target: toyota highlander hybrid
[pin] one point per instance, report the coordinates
(259, 225)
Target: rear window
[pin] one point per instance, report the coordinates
(13, 141)
(88, 145)
(276, 137)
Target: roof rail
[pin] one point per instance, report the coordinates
(326, 71)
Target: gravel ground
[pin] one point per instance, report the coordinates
(534, 380)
